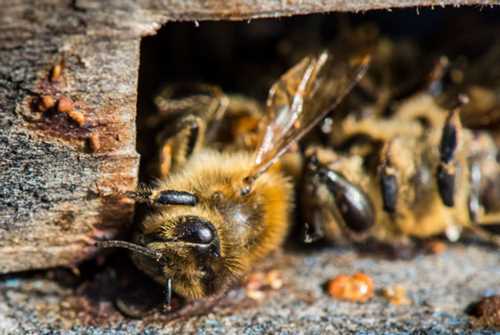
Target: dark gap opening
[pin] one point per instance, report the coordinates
(247, 57)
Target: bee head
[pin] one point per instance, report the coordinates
(181, 245)
(190, 254)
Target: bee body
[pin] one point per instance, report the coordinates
(413, 175)
(244, 228)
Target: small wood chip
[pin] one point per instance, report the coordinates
(259, 282)
(435, 247)
(396, 295)
(45, 103)
(355, 288)
(274, 279)
(64, 105)
(77, 117)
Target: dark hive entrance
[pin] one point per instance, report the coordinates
(246, 57)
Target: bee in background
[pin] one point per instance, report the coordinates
(217, 211)
(411, 172)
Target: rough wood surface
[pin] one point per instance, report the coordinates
(48, 208)
(49, 212)
(246, 9)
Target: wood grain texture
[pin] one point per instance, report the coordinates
(49, 211)
(247, 9)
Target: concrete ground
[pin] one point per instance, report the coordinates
(440, 287)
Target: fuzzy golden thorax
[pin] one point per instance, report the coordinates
(243, 228)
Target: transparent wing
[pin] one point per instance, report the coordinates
(300, 99)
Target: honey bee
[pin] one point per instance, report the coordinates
(412, 173)
(217, 211)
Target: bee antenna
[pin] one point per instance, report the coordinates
(143, 194)
(132, 247)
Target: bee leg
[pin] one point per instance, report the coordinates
(204, 107)
(389, 186)
(313, 232)
(216, 112)
(490, 222)
(164, 160)
(243, 122)
(446, 170)
(205, 101)
(311, 205)
(168, 295)
(436, 83)
(487, 226)
(176, 149)
(353, 205)
(484, 209)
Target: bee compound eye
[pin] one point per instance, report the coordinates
(194, 229)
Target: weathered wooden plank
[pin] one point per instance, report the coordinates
(248, 9)
(48, 211)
